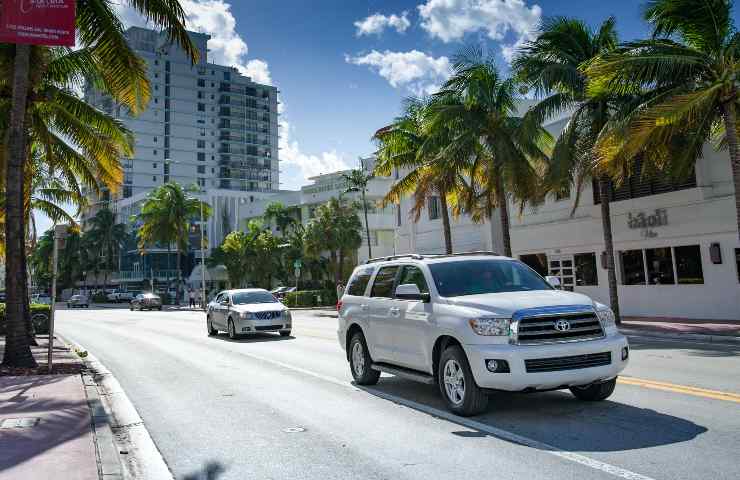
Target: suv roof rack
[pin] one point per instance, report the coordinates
(417, 256)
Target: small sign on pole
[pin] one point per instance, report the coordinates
(38, 22)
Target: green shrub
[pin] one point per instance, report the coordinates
(99, 297)
(39, 314)
(311, 298)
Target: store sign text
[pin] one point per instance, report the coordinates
(646, 222)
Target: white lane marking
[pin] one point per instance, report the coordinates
(473, 424)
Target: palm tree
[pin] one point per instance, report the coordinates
(165, 219)
(357, 181)
(70, 141)
(425, 152)
(336, 229)
(107, 236)
(552, 66)
(284, 217)
(689, 68)
(507, 151)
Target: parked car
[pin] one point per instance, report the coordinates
(249, 311)
(146, 301)
(280, 292)
(119, 296)
(475, 323)
(78, 301)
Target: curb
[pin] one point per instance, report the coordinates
(123, 446)
(688, 337)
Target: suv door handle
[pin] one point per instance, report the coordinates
(395, 311)
(364, 308)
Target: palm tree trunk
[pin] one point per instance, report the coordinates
(367, 226)
(503, 209)
(606, 223)
(17, 348)
(341, 264)
(30, 329)
(445, 221)
(730, 117)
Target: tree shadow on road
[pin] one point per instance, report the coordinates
(569, 424)
(210, 471)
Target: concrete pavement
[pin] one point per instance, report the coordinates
(267, 407)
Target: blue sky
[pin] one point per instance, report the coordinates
(344, 66)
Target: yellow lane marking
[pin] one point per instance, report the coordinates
(670, 387)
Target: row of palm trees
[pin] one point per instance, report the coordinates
(659, 100)
(44, 119)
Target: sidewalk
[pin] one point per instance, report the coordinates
(713, 331)
(45, 423)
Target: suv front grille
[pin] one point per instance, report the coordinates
(574, 326)
(267, 315)
(574, 362)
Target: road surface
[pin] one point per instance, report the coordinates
(285, 408)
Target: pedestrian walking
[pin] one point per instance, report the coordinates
(340, 290)
(192, 295)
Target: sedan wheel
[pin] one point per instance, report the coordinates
(209, 327)
(232, 330)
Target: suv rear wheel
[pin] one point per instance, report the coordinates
(360, 361)
(595, 392)
(458, 387)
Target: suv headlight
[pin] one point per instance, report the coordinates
(490, 326)
(247, 315)
(606, 317)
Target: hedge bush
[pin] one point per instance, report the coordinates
(99, 297)
(41, 325)
(311, 298)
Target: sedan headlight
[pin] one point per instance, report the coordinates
(606, 317)
(246, 315)
(286, 316)
(490, 326)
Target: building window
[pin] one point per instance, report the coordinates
(636, 185)
(202, 132)
(633, 267)
(201, 157)
(201, 169)
(156, 87)
(166, 154)
(200, 94)
(154, 178)
(433, 206)
(201, 82)
(688, 264)
(155, 139)
(156, 100)
(154, 165)
(155, 153)
(586, 274)
(201, 107)
(201, 144)
(227, 76)
(535, 261)
(659, 266)
(201, 182)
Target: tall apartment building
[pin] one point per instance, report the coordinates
(206, 124)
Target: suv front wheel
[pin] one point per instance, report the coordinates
(360, 361)
(458, 387)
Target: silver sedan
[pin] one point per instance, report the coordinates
(247, 311)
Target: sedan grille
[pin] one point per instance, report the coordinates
(573, 362)
(262, 328)
(555, 324)
(268, 315)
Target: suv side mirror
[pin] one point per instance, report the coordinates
(553, 281)
(410, 291)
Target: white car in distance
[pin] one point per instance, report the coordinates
(247, 311)
(473, 323)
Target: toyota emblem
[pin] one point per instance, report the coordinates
(562, 325)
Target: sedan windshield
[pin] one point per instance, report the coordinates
(472, 277)
(243, 298)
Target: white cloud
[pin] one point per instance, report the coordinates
(414, 70)
(297, 167)
(450, 20)
(376, 23)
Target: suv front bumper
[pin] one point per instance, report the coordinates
(519, 379)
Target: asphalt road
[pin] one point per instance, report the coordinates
(237, 404)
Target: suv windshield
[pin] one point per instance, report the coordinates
(472, 277)
(243, 298)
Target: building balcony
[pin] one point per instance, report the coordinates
(140, 275)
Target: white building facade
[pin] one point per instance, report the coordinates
(676, 244)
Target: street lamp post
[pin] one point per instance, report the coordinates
(202, 260)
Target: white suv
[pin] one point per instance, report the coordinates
(476, 322)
